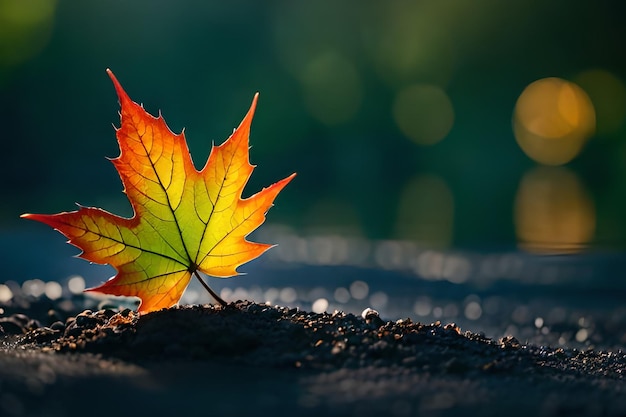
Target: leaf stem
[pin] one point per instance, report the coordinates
(213, 293)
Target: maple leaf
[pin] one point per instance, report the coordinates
(184, 220)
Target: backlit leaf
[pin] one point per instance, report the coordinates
(184, 220)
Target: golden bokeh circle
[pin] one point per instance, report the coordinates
(552, 121)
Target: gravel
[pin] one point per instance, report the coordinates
(255, 358)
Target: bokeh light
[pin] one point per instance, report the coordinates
(332, 88)
(553, 119)
(342, 295)
(408, 40)
(5, 293)
(473, 309)
(320, 305)
(76, 284)
(608, 95)
(424, 113)
(34, 287)
(379, 300)
(553, 212)
(317, 249)
(25, 28)
(359, 290)
(426, 212)
(423, 306)
(436, 265)
(53, 290)
(288, 295)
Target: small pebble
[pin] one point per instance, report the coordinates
(369, 313)
(58, 325)
(10, 326)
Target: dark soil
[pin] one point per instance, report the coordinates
(255, 359)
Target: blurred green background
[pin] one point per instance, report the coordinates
(450, 124)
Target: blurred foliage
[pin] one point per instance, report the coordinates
(396, 115)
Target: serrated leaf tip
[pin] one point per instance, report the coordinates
(121, 94)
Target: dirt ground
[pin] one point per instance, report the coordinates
(250, 358)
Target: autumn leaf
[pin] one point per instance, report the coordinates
(184, 220)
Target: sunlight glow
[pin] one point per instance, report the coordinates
(553, 119)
